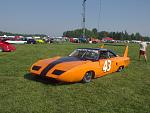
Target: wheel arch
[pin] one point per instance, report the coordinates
(93, 73)
(120, 68)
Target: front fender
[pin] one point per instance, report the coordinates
(76, 74)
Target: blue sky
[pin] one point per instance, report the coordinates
(53, 17)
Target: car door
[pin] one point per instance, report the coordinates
(107, 63)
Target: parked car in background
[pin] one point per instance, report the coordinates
(49, 40)
(74, 40)
(39, 41)
(6, 47)
(94, 41)
(31, 41)
(14, 41)
(78, 40)
(82, 40)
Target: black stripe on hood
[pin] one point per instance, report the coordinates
(61, 60)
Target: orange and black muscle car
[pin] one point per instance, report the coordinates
(82, 64)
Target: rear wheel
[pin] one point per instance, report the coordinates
(120, 68)
(87, 77)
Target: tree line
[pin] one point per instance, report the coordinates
(77, 33)
(102, 34)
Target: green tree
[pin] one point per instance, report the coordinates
(95, 33)
(137, 36)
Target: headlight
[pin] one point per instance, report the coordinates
(36, 68)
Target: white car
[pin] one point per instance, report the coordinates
(16, 42)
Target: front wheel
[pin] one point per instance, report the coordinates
(87, 77)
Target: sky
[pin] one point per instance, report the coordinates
(53, 17)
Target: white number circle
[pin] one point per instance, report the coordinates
(107, 65)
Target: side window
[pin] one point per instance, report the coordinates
(104, 55)
(91, 55)
(80, 53)
(111, 55)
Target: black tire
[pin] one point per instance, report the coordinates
(87, 77)
(120, 68)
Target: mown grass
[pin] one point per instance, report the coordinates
(124, 92)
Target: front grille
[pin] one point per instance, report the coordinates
(58, 72)
(36, 68)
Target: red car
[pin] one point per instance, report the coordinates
(6, 47)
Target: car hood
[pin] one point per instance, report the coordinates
(58, 63)
(68, 63)
(64, 63)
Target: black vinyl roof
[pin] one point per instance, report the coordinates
(99, 49)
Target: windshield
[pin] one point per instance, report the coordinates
(87, 54)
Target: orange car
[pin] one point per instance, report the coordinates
(83, 64)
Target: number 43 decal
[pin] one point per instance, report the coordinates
(107, 65)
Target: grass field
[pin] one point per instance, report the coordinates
(122, 92)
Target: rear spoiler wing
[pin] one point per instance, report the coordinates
(125, 51)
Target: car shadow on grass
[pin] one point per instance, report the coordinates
(48, 81)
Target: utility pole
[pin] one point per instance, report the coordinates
(83, 15)
(99, 14)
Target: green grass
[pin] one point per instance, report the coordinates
(124, 92)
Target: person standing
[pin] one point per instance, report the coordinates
(143, 47)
